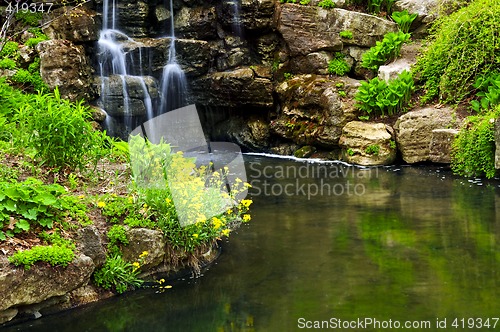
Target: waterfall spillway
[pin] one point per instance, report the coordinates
(126, 95)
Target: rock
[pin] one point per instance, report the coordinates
(77, 25)
(312, 63)
(133, 18)
(284, 149)
(407, 59)
(414, 131)
(84, 295)
(141, 240)
(113, 100)
(308, 29)
(254, 15)
(65, 65)
(497, 143)
(305, 151)
(237, 88)
(426, 11)
(367, 144)
(314, 109)
(19, 287)
(7, 315)
(91, 245)
(98, 114)
(251, 134)
(196, 23)
(441, 145)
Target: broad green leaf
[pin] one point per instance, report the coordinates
(23, 224)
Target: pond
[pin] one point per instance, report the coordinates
(332, 245)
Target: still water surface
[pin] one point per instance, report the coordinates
(329, 242)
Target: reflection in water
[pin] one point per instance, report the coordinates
(416, 244)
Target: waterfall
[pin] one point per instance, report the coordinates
(117, 67)
(236, 18)
(173, 85)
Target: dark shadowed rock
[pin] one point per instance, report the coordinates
(77, 25)
(441, 145)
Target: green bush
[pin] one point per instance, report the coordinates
(326, 4)
(27, 79)
(380, 97)
(60, 132)
(346, 34)
(117, 236)
(28, 203)
(338, 65)
(404, 20)
(473, 152)
(488, 92)
(7, 63)
(117, 274)
(461, 47)
(52, 254)
(384, 51)
(29, 18)
(376, 6)
(10, 49)
(373, 149)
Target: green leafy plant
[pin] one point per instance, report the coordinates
(28, 203)
(346, 34)
(372, 149)
(326, 4)
(338, 65)
(287, 76)
(473, 152)
(60, 252)
(380, 97)
(10, 49)
(288, 1)
(304, 2)
(462, 46)
(350, 152)
(7, 63)
(342, 93)
(488, 92)
(376, 6)
(26, 78)
(404, 20)
(28, 17)
(384, 51)
(117, 236)
(60, 132)
(392, 144)
(117, 274)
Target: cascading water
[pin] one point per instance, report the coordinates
(173, 84)
(236, 18)
(119, 67)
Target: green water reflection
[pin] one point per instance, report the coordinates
(416, 244)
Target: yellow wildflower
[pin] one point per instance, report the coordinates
(195, 236)
(143, 254)
(226, 232)
(101, 204)
(246, 202)
(230, 211)
(81, 196)
(161, 281)
(168, 200)
(136, 265)
(246, 217)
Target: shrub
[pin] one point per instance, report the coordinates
(10, 49)
(473, 152)
(326, 4)
(488, 92)
(7, 63)
(29, 18)
(117, 236)
(117, 274)
(404, 20)
(60, 132)
(380, 97)
(52, 254)
(338, 65)
(346, 34)
(25, 77)
(376, 6)
(386, 50)
(461, 47)
(304, 2)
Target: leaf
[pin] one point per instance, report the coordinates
(2, 236)
(45, 198)
(10, 205)
(30, 214)
(23, 224)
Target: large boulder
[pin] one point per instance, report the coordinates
(414, 131)
(246, 15)
(65, 65)
(197, 23)
(308, 29)
(77, 25)
(314, 109)
(19, 286)
(440, 147)
(143, 240)
(368, 144)
(407, 59)
(238, 88)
